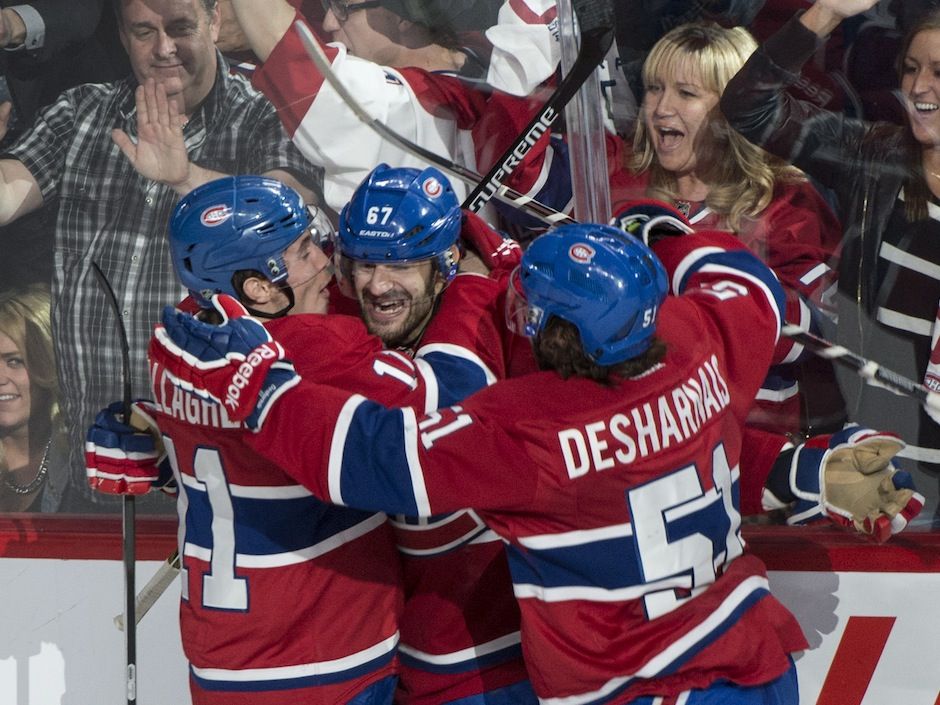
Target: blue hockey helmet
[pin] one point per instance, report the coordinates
(400, 215)
(231, 224)
(606, 283)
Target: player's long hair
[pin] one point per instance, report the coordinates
(25, 318)
(740, 176)
(558, 347)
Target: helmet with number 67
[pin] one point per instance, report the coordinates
(402, 215)
(238, 223)
(608, 284)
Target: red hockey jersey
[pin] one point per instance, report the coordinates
(619, 506)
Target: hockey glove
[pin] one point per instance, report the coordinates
(126, 458)
(651, 220)
(236, 364)
(848, 478)
(500, 254)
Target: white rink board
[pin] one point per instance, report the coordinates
(60, 647)
(908, 670)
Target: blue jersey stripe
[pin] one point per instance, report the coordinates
(374, 433)
(457, 377)
(266, 526)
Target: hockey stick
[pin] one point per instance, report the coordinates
(129, 538)
(155, 587)
(870, 371)
(505, 194)
(596, 23)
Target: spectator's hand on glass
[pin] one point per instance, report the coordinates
(159, 152)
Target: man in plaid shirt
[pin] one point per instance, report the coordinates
(188, 121)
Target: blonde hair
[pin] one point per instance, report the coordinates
(741, 182)
(25, 317)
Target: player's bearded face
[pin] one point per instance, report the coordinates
(396, 300)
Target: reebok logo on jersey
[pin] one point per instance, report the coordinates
(256, 358)
(215, 215)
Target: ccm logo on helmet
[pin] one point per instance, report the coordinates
(581, 252)
(432, 187)
(241, 378)
(215, 215)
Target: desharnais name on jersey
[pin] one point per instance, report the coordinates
(630, 573)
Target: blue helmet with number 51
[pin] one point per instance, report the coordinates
(401, 215)
(606, 283)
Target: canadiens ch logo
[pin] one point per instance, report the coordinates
(581, 252)
(215, 215)
(432, 187)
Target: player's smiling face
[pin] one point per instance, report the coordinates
(920, 84)
(677, 111)
(14, 386)
(396, 300)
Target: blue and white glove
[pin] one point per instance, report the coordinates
(236, 364)
(126, 458)
(848, 478)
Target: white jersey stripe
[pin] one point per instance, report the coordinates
(304, 670)
(596, 594)
(469, 654)
(544, 542)
(655, 665)
(410, 426)
(337, 444)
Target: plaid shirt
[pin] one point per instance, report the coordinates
(110, 214)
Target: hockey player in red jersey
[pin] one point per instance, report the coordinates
(467, 622)
(249, 533)
(397, 254)
(612, 475)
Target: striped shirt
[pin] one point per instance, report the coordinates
(906, 309)
(109, 214)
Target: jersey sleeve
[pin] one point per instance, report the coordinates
(733, 297)
(798, 237)
(338, 350)
(525, 45)
(323, 126)
(354, 452)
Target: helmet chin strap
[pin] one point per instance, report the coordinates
(288, 292)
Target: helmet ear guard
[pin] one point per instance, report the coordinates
(448, 263)
(608, 284)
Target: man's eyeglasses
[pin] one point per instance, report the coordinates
(342, 8)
